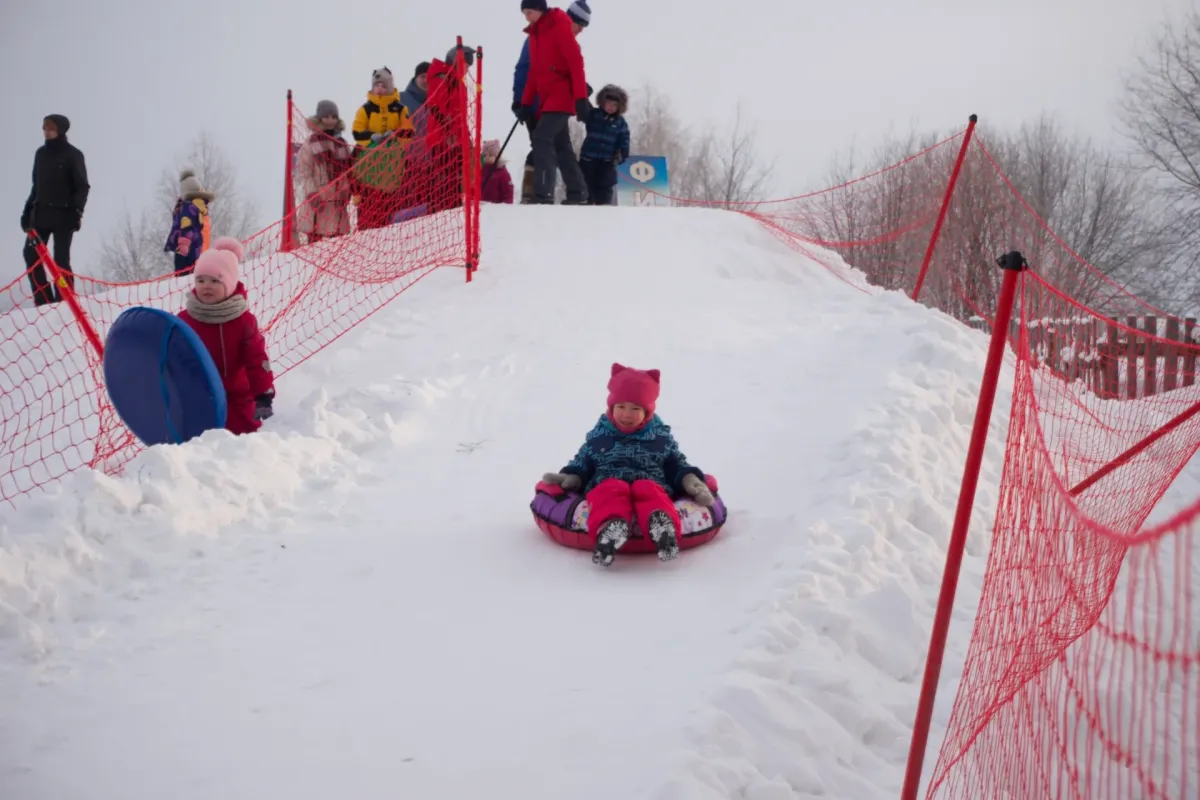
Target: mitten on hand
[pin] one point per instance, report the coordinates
(698, 490)
(184, 246)
(262, 406)
(376, 137)
(516, 108)
(582, 109)
(569, 483)
(526, 114)
(78, 221)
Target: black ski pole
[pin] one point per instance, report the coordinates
(498, 155)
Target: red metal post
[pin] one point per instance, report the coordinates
(941, 219)
(1124, 458)
(67, 290)
(477, 159)
(287, 229)
(1013, 265)
(464, 141)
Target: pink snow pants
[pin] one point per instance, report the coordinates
(632, 502)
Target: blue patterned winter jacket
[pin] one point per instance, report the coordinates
(606, 136)
(649, 453)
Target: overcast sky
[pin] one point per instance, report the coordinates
(138, 78)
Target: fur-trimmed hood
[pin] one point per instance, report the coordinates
(338, 129)
(615, 92)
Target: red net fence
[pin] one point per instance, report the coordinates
(1082, 678)
(355, 235)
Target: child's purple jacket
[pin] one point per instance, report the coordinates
(192, 230)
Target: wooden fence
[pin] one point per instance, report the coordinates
(1138, 357)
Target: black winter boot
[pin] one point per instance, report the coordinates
(527, 185)
(612, 536)
(663, 534)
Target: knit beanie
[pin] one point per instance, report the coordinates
(384, 75)
(190, 187)
(534, 5)
(629, 385)
(421, 69)
(490, 148)
(221, 262)
(580, 13)
(468, 55)
(327, 108)
(61, 123)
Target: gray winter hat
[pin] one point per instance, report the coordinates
(327, 108)
(190, 187)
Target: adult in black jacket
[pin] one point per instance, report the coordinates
(55, 205)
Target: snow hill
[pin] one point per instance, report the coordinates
(356, 603)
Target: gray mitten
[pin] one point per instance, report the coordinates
(569, 483)
(698, 490)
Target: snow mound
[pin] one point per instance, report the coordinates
(357, 603)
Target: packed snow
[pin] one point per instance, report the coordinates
(356, 602)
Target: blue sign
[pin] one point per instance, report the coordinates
(643, 181)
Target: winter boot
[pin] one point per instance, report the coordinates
(663, 534)
(527, 185)
(609, 540)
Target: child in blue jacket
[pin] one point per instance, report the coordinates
(606, 144)
(628, 467)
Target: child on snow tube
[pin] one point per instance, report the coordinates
(627, 466)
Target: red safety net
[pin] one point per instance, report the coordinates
(356, 235)
(1082, 678)
(1083, 672)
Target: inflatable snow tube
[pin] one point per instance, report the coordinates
(563, 517)
(160, 378)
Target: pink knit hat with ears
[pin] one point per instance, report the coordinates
(629, 385)
(221, 262)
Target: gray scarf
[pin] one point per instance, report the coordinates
(227, 310)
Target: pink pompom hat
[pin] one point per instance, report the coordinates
(221, 262)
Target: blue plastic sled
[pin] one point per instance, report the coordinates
(160, 377)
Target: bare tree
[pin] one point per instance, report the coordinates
(1086, 196)
(707, 168)
(1161, 117)
(232, 212)
(734, 172)
(135, 252)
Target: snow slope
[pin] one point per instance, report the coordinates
(356, 603)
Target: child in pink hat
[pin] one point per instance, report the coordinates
(218, 310)
(629, 466)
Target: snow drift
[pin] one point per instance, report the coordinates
(356, 601)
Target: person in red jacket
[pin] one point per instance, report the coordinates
(219, 312)
(557, 82)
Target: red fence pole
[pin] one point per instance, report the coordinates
(464, 138)
(287, 229)
(1013, 264)
(476, 155)
(67, 290)
(941, 219)
(1139, 447)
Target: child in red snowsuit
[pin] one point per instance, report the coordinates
(628, 466)
(219, 312)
